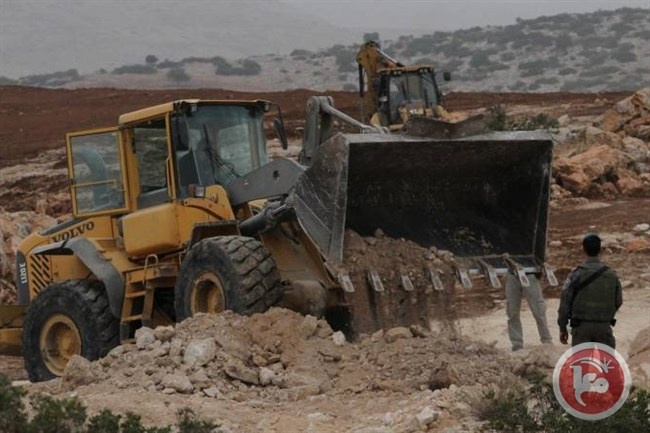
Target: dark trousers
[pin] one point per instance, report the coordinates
(593, 332)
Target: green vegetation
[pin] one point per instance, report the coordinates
(135, 69)
(178, 75)
(497, 120)
(245, 67)
(536, 409)
(50, 80)
(50, 415)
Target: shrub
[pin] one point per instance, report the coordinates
(134, 69)
(508, 56)
(151, 59)
(12, 409)
(300, 53)
(624, 56)
(567, 71)
(479, 60)
(563, 42)
(5, 81)
(53, 79)
(51, 415)
(246, 67)
(178, 75)
(497, 119)
(165, 64)
(509, 410)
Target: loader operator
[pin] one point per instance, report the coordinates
(591, 296)
(535, 299)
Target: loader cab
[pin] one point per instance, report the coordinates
(215, 144)
(407, 91)
(163, 153)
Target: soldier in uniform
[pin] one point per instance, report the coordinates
(591, 296)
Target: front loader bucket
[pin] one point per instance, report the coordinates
(479, 197)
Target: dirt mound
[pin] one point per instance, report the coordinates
(613, 159)
(397, 282)
(283, 356)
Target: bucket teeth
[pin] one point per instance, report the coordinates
(346, 282)
(375, 280)
(550, 275)
(464, 277)
(491, 274)
(435, 278)
(519, 271)
(407, 284)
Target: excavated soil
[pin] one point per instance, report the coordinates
(394, 284)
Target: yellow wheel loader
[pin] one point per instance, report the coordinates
(407, 99)
(177, 211)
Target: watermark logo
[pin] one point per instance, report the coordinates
(591, 381)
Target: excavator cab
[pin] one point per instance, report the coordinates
(405, 92)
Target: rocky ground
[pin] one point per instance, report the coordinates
(284, 372)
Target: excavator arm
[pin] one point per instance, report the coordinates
(370, 60)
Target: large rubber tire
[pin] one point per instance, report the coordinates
(236, 273)
(76, 309)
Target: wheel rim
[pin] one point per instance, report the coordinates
(59, 341)
(208, 295)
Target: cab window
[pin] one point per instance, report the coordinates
(96, 172)
(150, 147)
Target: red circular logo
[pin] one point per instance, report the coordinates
(591, 381)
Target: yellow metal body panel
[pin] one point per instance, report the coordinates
(11, 341)
(162, 109)
(11, 331)
(151, 231)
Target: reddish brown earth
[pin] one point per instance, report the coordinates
(36, 119)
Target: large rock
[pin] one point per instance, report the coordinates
(78, 371)
(144, 337)
(631, 115)
(639, 359)
(398, 333)
(578, 172)
(242, 373)
(164, 333)
(179, 382)
(641, 343)
(199, 352)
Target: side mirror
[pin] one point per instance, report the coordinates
(446, 76)
(282, 134)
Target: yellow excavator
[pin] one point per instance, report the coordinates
(177, 210)
(407, 99)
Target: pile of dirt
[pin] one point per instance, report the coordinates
(392, 258)
(395, 283)
(283, 356)
(14, 227)
(611, 159)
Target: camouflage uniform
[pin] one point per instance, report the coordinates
(593, 308)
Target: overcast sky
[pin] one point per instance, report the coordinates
(446, 14)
